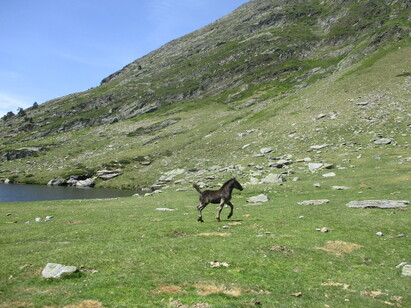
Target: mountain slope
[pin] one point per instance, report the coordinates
(282, 74)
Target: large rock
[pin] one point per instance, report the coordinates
(273, 179)
(381, 204)
(266, 150)
(313, 167)
(383, 141)
(20, 153)
(55, 271)
(109, 174)
(57, 182)
(259, 198)
(406, 271)
(86, 183)
(280, 163)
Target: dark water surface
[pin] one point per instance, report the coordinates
(28, 193)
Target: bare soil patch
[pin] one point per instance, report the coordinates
(86, 304)
(204, 289)
(339, 248)
(214, 234)
(169, 288)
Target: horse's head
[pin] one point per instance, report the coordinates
(237, 184)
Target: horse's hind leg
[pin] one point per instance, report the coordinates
(231, 209)
(200, 208)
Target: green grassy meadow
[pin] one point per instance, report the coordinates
(132, 255)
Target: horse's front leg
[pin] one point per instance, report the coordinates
(231, 209)
(220, 209)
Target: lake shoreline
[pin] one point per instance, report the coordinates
(36, 192)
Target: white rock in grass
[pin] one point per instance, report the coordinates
(406, 271)
(314, 202)
(55, 271)
(340, 187)
(382, 204)
(259, 198)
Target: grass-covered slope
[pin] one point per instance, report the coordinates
(347, 112)
(132, 255)
(183, 105)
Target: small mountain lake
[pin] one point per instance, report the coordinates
(29, 193)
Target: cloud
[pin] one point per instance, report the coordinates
(11, 103)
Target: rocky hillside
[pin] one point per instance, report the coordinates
(273, 80)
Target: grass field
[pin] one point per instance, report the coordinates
(132, 255)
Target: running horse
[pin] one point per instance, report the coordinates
(221, 196)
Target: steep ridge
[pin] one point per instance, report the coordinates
(243, 82)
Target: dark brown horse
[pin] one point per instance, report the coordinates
(221, 196)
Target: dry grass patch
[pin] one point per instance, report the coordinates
(214, 234)
(86, 304)
(16, 304)
(339, 248)
(169, 288)
(177, 304)
(204, 289)
(336, 284)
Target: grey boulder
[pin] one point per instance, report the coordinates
(56, 271)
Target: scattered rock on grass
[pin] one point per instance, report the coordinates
(259, 198)
(164, 209)
(266, 150)
(55, 271)
(273, 179)
(406, 271)
(109, 174)
(216, 264)
(401, 264)
(324, 230)
(313, 167)
(314, 202)
(319, 147)
(299, 294)
(383, 141)
(382, 204)
(340, 187)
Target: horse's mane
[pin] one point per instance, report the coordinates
(226, 183)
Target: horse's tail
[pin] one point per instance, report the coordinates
(197, 188)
